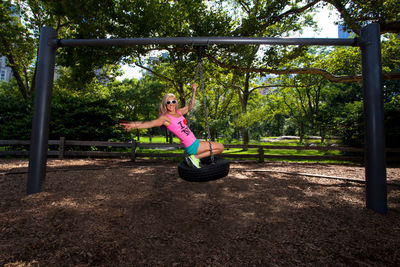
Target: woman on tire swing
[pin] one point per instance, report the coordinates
(172, 117)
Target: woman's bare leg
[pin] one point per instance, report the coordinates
(204, 149)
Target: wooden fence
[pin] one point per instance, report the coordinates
(68, 148)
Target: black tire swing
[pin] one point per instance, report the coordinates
(213, 168)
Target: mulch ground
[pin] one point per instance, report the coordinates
(100, 212)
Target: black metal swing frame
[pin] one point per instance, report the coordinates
(369, 42)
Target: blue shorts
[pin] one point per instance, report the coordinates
(192, 149)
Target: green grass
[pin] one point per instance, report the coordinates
(161, 139)
(156, 139)
(240, 151)
(288, 152)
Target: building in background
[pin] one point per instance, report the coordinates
(5, 71)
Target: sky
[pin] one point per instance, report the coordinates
(324, 17)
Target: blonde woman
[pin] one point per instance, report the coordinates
(171, 116)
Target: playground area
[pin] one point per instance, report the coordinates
(114, 212)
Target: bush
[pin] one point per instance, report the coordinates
(15, 117)
(84, 118)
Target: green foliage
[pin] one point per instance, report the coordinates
(88, 101)
(94, 114)
(15, 113)
(84, 118)
(342, 61)
(392, 112)
(18, 45)
(357, 14)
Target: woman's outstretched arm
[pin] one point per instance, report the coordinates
(162, 120)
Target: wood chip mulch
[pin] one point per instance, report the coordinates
(103, 212)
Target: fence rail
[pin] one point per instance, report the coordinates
(132, 153)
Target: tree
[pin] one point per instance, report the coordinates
(18, 45)
(356, 14)
(21, 24)
(139, 99)
(176, 70)
(261, 18)
(222, 103)
(177, 64)
(15, 113)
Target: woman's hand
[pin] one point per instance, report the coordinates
(129, 125)
(194, 87)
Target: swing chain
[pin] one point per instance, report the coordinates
(200, 50)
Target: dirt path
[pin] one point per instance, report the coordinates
(119, 213)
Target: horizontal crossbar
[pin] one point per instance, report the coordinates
(207, 41)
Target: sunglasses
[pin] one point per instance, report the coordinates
(171, 102)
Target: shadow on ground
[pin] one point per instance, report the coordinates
(118, 213)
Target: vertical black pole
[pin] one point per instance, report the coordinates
(375, 169)
(41, 114)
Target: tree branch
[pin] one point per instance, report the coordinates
(390, 26)
(158, 75)
(245, 6)
(327, 75)
(277, 85)
(345, 15)
(295, 11)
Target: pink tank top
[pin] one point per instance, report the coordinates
(178, 126)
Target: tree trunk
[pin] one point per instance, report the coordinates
(301, 132)
(322, 134)
(244, 98)
(245, 137)
(182, 98)
(23, 88)
(138, 134)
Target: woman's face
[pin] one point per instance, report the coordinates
(171, 104)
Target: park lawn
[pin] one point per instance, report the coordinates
(161, 140)
(156, 139)
(240, 151)
(236, 151)
(283, 152)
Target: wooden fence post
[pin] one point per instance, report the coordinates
(61, 148)
(260, 154)
(133, 150)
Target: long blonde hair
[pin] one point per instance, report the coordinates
(163, 105)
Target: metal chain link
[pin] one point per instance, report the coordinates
(200, 68)
(189, 114)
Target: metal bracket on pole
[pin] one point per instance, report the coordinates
(200, 48)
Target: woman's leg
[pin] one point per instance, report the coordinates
(204, 149)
